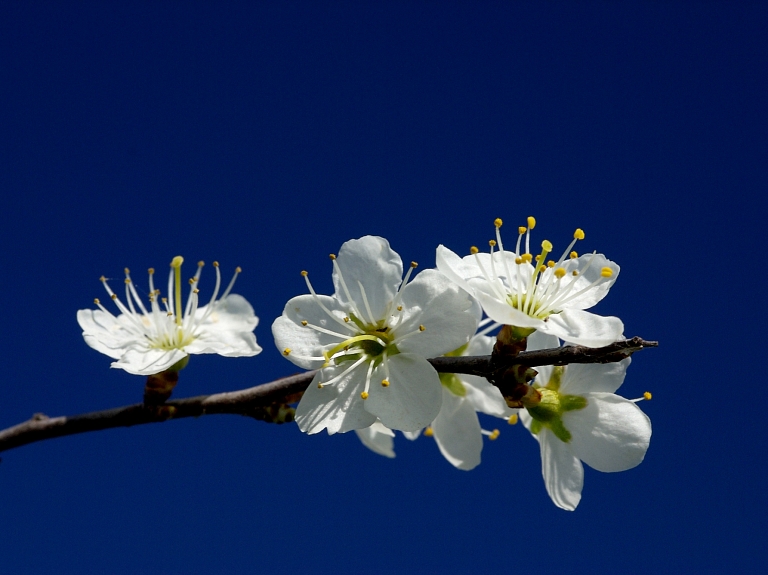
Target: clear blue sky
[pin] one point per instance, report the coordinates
(265, 135)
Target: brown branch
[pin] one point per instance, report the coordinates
(267, 401)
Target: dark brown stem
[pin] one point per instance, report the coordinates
(265, 401)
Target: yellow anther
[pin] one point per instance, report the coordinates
(195, 291)
(575, 272)
(304, 322)
(169, 314)
(114, 296)
(551, 263)
(191, 281)
(151, 271)
(126, 281)
(546, 245)
(492, 243)
(332, 256)
(606, 272)
(346, 320)
(573, 255)
(96, 301)
(538, 257)
(215, 264)
(560, 272)
(364, 395)
(127, 271)
(497, 222)
(512, 419)
(319, 386)
(494, 435)
(531, 222)
(542, 267)
(238, 269)
(518, 260)
(384, 383)
(521, 230)
(399, 308)
(164, 300)
(102, 279)
(304, 273)
(578, 234)
(473, 250)
(414, 265)
(422, 328)
(527, 258)
(177, 261)
(287, 351)
(428, 432)
(647, 395)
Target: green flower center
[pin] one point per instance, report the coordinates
(549, 412)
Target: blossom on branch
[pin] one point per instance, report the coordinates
(579, 418)
(146, 340)
(456, 429)
(371, 339)
(549, 296)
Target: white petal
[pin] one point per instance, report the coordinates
(337, 407)
(457, 432)
(226, 343)
(500, 311)
(233, 313)
(597, 292)
(563, 473)
(584, 328)
(579, 379)
(485, 397)
(610, 434)
(104, 333)
(447, 312)
(540, 340)
(303, 340)
(378, 439)
(371, 262)
(148, 361)
(413, 398)
(412, 435)
(455, 268)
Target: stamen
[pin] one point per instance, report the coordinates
(512, 420)
(337, 269)
(646, 397)
(428, 432)
(322, 306)
(492, 435)
(504, 261)
(365, 301)
(342, 374)
(238, 270)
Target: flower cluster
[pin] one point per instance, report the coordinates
(372, 340)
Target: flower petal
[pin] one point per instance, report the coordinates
(148, 361)
(563, 473)
(499, 310)
(378, 439)
(303, 340)
(447, 312)
(610, 434)
(586, 276)
(104, 333)
(337, 407)
(485, 397)
(579, 379)
(584, 328)
(232, 313)
(371, 262)
(413, 397)
(457, 432)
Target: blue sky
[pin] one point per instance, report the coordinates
(265, 135)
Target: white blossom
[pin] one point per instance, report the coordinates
(456, 429)
(149, 339)
(370, 340)
(581, 419)
(549, 297)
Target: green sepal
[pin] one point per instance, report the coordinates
(179, 365)
(453, 384)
